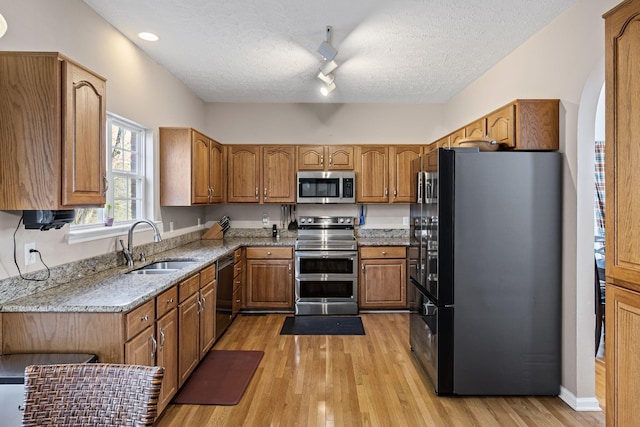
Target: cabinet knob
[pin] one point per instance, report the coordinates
(256, 193)
(384, 253)
(386, 192)
(268, 252)
(238, 301)
(330, 161)
(170, 301)
(265, 192)
(144, 319)
(322, 160)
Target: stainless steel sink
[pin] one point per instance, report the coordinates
(163, 267)
(154, 271)
(171, 264)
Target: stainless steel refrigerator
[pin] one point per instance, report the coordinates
(485, 271)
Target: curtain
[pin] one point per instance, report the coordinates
(599, 189)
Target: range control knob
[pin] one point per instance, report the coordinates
(348, 220)
(309, 220)
(341, 220)
(302, 220)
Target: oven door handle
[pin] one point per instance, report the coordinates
(327, 254)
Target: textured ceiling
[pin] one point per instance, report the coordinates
(390, 51)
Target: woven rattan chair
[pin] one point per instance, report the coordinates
(92, 394)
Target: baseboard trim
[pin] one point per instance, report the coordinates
(580, 404)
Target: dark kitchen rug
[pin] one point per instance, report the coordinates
(322, 325)
(221, 378)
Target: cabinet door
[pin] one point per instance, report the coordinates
(623, 348)
(501, 126)
(340, 157)
(217, 173)
(244, 174)
(383, 283)
(311, 158)
(279, 174)
(236, 304)
(83, 137)
(207, 317)
(188, 322)
(476, 130)
(269, 283)
(401, 157)
(167, 356)
(456, 137)
(200, 171)
(140, 350)
(372, 174)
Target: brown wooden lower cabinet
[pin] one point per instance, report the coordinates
(167, 356)
(269, 278)
(140, 350)
(189, 352)
(383, 278)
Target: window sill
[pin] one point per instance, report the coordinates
(90, 234)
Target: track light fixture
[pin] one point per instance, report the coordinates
(328, 65)
(326, 90)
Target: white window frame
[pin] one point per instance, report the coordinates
(88, 232)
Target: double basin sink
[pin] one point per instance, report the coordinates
(163, 267)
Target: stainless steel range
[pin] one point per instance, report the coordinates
(326, 266)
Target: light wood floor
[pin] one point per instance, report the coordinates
(370, 380)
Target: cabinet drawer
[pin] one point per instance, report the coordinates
(238, 268)
(189, 287)
(208, 274)
(237, 255)
(166, 301)
(140, 318)
(383, 252)
(270, 253)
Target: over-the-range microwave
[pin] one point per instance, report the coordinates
(326, 187)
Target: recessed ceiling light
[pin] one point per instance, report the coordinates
(150, 37)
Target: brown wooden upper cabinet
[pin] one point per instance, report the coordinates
(372, 173)
(400, 158)
(262, 174)
(524, 124)
(325, 157)
(456, 137)
(52, 139)
(193, 168)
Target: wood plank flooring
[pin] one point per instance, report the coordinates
(370, 380)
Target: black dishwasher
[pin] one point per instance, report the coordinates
(224, 294)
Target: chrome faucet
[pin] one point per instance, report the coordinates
(128, 251)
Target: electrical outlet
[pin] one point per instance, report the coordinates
(29, 257)
(405, 220)
(265, 220)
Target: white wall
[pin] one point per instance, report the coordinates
(137, 88)
(558, 62)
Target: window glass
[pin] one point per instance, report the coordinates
(125, 174)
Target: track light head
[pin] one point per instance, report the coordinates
(326, 90)
(328, 67)
(327, 78)
(327, 51)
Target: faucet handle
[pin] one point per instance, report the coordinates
(142, 257)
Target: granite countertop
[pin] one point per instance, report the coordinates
(113, 291)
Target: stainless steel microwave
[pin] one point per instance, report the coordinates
(326, 187)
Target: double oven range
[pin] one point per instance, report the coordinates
(326, 266)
